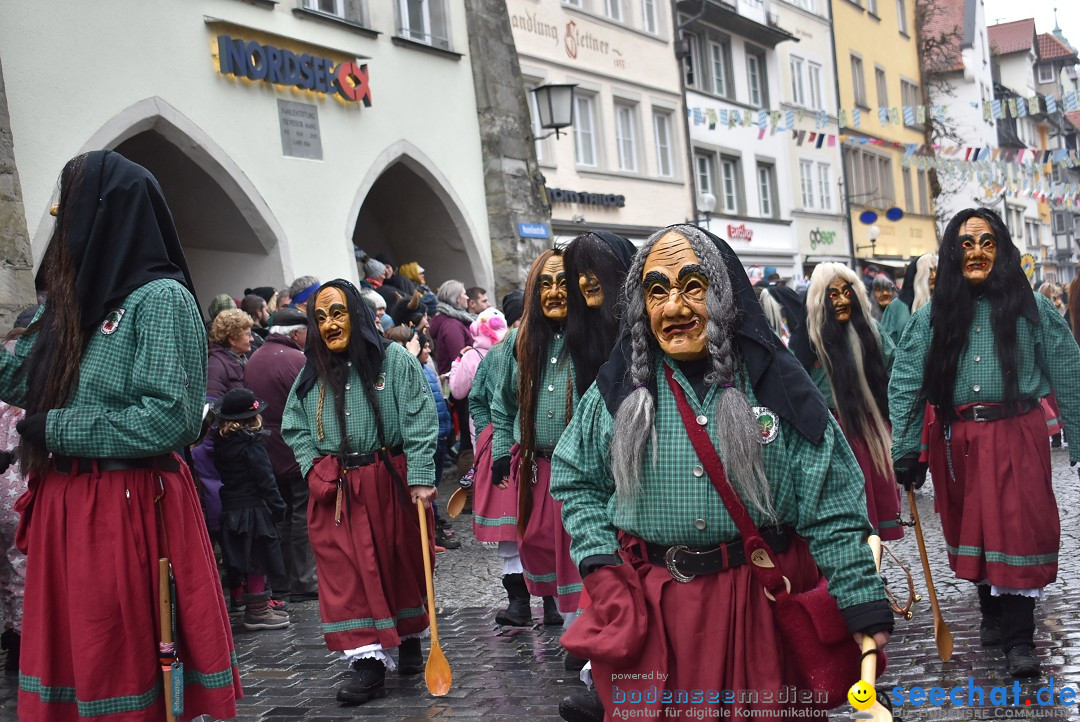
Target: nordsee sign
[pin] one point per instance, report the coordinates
(533, 230)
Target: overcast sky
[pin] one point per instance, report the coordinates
(1068, 15)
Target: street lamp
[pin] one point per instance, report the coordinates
(872, 233)
(706, 203)
(555, 106)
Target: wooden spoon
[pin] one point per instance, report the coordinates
(942, 636)
(437, 674)
(456, 502)
(868, 671)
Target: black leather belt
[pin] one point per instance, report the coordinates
(980, 412)
(355, 461)
(82, 465)
(690, 562)
(543, 453)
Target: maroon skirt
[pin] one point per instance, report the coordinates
(545, 545)
(706, 644)
(997, 506)
(882, 494)
(372, 586)
(494, 509)
(91, 627)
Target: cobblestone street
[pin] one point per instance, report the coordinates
(517, 674)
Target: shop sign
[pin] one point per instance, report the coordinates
(819, 237)
(257, 61)
(558, 195)
(299, 123)
(740, 232)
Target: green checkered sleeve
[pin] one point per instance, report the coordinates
(12, 378)
(1058, 355)
(416, 414)
(888, 348)
(581, 480)
(298, 431)
(162, 370)
(504, 400)
(480, 394)
(907, 407)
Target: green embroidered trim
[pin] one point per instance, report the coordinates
(543, 578)
(1012, 560)
(495, 521)
(369, 623)
(568, 589)
(212, 680)
(888, 524)
(110, 705)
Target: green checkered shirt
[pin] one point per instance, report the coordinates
(895, 319)
(142, 381)
(816, 489)
(1048, 360)
(482, 385)
(406, 407)
(821, 379)
(556, 380)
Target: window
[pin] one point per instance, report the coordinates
(1046, 72)
(901, 15)
(806, 183)
(1031, 232)
(705, 172)
(871, 178)
(572, 3)
(858, 81)
(662, 135)
(537, 131)
(882, 87)
(690, 60)
(648, 17)
(814, 74)
(719, 55)
(585, 130)
(924, 193)
(871, 7)
(824, 172)
(765, 190)
(1059, 224)
(729, 179)
(424, 21)
(756, 79)
(613, 9)
(910, 96)
(330, 7)
(798, 93)
(810, 5)
(626, 137)
(909, 196)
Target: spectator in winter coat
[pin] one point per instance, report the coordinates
(487, 330)
(230, 339)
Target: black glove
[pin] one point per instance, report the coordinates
(910, 472)
(591, 563)
(500, 469)
(32, 429)
(7, 458)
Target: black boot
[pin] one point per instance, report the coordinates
(990, 628)
(517, 612)
(1018, 635)
(366, 683)
(552, 616)
(572, 663)
(410, 658)
(583, 706)
(11, 641)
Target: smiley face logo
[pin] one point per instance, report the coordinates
(861, 695)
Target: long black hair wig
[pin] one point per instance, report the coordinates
(953, 310)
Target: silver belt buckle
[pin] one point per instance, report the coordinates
(975, 412)
(669, 562)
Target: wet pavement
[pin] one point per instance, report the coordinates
(517, 674)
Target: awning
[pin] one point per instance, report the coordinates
(891, 263)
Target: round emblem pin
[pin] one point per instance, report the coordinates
(380, 382)
(768, 424)
(112, 321)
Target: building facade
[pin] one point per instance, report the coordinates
(622, 165)
(878, 72)
(284, 134)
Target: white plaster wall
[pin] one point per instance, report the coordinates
(71, 66)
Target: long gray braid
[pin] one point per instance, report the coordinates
(739, 440)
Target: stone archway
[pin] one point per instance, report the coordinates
(408, 210)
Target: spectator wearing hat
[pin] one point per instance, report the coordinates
(266, 293)
(377, 304)
(301, 290)
(250, 503)
(410, 312)
(372, 271)
(270, 374)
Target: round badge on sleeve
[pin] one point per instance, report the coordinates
(108, 327)
(380, 381)
(768, 423)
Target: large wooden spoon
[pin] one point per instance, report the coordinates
(457, 502)
(437, 674)
(942, 636)
(868, 671)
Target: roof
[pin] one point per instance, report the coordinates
(1005, 38)
(1050, 48)
(947, 20)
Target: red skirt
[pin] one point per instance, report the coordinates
(1052, 415)
(545, 545)
(999, 515)
(372, 587)
(882, 494)
(494, 509)
(91, 626)
(705, 644)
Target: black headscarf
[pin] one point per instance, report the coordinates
(778, 380)
(623, 249)
(366, 347)
(513, 305)
(121, 235)
(792, 304)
